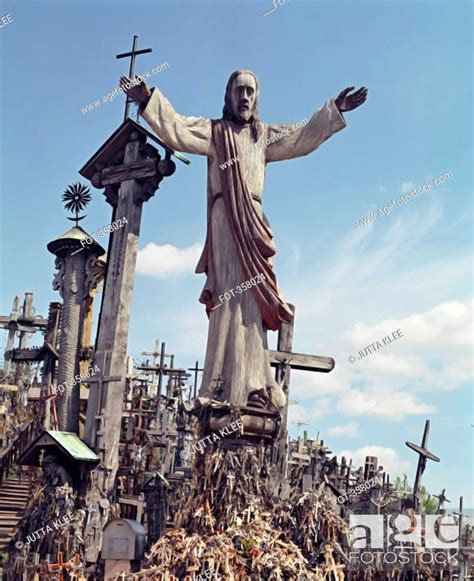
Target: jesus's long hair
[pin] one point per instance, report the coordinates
(227, 113)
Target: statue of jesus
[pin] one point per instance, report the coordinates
(239, 243)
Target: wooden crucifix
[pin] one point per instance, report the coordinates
(21, 320)
(196, 370)
(11, 324)
(99, 440)
(155, 355)
(424, 456)
(460, 516)
(441, 499)
(284, 360)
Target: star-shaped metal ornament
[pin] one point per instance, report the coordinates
(76, 198)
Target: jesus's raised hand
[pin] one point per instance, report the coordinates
(138, 92)
(346, 102)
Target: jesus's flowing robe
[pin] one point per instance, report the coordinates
(239, 242)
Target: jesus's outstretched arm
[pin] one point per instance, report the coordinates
(179, 132)
(299, 141)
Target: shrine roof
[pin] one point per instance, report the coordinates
(67, 443)
(75, 233)
(117, 141)
(73, 445)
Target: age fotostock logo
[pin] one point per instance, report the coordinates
(431, 531)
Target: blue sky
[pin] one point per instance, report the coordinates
(410, 270)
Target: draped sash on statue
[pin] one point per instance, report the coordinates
(252, 236)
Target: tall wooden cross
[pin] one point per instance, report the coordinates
(99, 416)
(465, 543)
(23, 321)
(10, 324)
(134, 52)
(196, 370)
(460, 515)
(161, 369)
(423, 456)
(130, 168)
(284, 360)
(155, 355)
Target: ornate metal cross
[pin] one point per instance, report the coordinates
(134, 52)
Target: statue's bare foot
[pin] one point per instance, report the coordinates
(258, 399)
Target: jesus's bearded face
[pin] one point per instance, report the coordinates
(243, 95)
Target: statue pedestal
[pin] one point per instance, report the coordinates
(258, 424)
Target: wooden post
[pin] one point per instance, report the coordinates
(25, 323)
(130, 170)
(111, 347)
(282, 376)
(27, 313)
(49, 362)
(106, 397)
(11, 336)
(283, 359)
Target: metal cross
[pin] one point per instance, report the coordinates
(299, 423)
(131, 72)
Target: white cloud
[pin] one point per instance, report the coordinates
(435, 349)
(387, 457)
(166, 261)
(349, 430)
(389, 364)
(449, 324)
(306, 385)
(383, 403)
